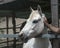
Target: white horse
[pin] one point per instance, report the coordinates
(33, 27)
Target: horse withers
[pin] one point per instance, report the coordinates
(33, 27)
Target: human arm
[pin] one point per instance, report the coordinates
(51, 27)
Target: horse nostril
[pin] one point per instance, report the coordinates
(20, 35)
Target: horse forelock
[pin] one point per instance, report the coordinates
(34, 14)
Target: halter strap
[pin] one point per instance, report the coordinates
(39, 35)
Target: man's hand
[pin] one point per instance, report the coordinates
(45, 20)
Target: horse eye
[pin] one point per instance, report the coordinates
(35, 21)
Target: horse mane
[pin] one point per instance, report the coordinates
(23, 24)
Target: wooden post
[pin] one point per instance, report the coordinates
(54, 11)
(14, 29)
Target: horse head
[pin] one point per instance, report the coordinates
(34, 24)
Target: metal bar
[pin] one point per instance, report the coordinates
(7, 30)
(17, 36)
(8, 35)
(14, 28)
(10, 28)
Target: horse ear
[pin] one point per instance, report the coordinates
(39, 9)
(31, 9)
